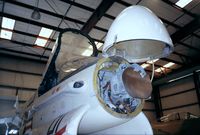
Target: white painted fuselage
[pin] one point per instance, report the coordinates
(65, 99)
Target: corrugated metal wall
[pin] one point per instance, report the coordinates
(179, 96)
(18, 76)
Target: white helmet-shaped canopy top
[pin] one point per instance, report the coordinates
(137, 35)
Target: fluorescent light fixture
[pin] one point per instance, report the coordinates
(169, 64)
(180, 77)
(160, 69)
(183, 3)
(44, 32)
(8, 23)
(54, 47)
(87, 52)
(190, 74)
(98, 44)
(6, 34)
(152, 61)
(145, 65)
(41, 42)
(70, 70)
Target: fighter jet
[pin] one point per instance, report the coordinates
(99, 93)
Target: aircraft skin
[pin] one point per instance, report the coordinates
(68, 110)
(82, 104)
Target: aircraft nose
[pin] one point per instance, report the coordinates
(135, 85)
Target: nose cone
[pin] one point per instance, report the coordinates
(137, 35)
(135, 85)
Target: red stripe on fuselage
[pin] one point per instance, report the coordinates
(61, 131)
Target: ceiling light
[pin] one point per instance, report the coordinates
(145, 65)
(53, 49)
(36, 13)
(183, 3)
(41, 42)
(70, 70)
(87, 52)
(98, 44)
(180, 77)
(169, 64)
(152, 61)
(160, 69)
(8, 23)
(13, 131)
(44, 32)
(6, 34)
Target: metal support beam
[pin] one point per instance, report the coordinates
(20, 72)
(112, 17)
(177, 93)
(29, 34)
(197, 85)
(55, 14)
(186, 30)
(11, 98)
(25, 20)
(73, 3)
(32, 35)
(17, 92)
(185, 56)
(180, 106)
(24, 44)
(178, 8)
(157, 102)
(176, 75)
(164, 20)
(188, 46)
(25, 53)
(97, 14)
(44, 11)
(86, 8)
(41, 58)
(17, 87)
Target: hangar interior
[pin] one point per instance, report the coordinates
(24, 51)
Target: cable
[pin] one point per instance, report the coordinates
(152, 74)
(58, 25)
(7, 128)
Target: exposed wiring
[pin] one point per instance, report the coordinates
(152, 74)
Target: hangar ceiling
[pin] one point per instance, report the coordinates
(95, 17)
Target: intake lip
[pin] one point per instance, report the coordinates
(135, 85)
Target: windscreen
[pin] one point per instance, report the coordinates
(76, 50)
(73, 50)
